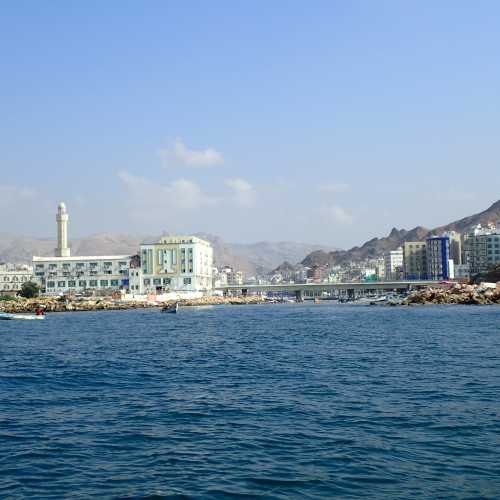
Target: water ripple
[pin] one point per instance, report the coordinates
(270, 402)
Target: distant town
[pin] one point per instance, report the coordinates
(184, 264)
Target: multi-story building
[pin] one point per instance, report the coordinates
(66, 274)
(13, 277)
(455, 246)
(482, 248)
(438, 258)
(393, 264)
(176, 263)
(57, 275)
(415, 260)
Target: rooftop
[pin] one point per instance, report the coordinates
(80, 258)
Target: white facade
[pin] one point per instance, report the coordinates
(12, 278)
(176, 263)
(394, 264)
(57, 275)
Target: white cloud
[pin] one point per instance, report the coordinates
(243, 192)
(180, 154)
(334, 187)
(338, 214)
(181, 194)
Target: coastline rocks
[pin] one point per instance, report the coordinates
(482, 294)
(62, 304)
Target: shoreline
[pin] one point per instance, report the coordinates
(52, 304)
(484, 294)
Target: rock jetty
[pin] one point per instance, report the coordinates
(63, 304)
(485, 293)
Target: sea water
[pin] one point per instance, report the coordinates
(274, 401)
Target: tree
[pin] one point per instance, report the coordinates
(29, 290)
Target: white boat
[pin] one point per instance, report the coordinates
(8, 316)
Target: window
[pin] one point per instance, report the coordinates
(51, 284)
(114, 282)
(66, 266)
(108, 264)
(122, 263)
(52, 266)
(93, 283)
(167, 281)
(72, 284)
(104, 282)
(39, 273)
(61, 284)
(147, 281)
(187, 281)
(40, 266)
(80, 265)
(157, 281)
(82, 283)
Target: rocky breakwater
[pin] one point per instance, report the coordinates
(63, 304)
(485, 293)
(56, 304)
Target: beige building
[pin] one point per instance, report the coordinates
(415, 260)
(175, 263)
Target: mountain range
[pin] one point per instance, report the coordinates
(378, 246)
(250, 258)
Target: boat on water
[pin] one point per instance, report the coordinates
(9, 316)
(170, 308)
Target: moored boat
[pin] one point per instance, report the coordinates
(9, 316)
(171, 308)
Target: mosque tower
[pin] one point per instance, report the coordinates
(62, 249)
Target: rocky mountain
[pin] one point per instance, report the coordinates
(378, 246)
(250, 258)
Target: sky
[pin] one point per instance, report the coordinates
(324, 122)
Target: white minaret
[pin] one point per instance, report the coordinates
(62, 249)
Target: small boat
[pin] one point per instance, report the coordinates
(171, 308)
(8, 316)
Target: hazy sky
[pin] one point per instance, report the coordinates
(326, 122)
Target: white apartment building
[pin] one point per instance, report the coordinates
(56, 275)
(393, 264)
(175, 263)
(13, 277)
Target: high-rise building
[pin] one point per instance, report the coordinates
(394, 264)
(438, 258)
(482, 248)
(415, 260)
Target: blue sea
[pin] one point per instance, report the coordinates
(277, 401)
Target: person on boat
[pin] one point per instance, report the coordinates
(39, 311)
